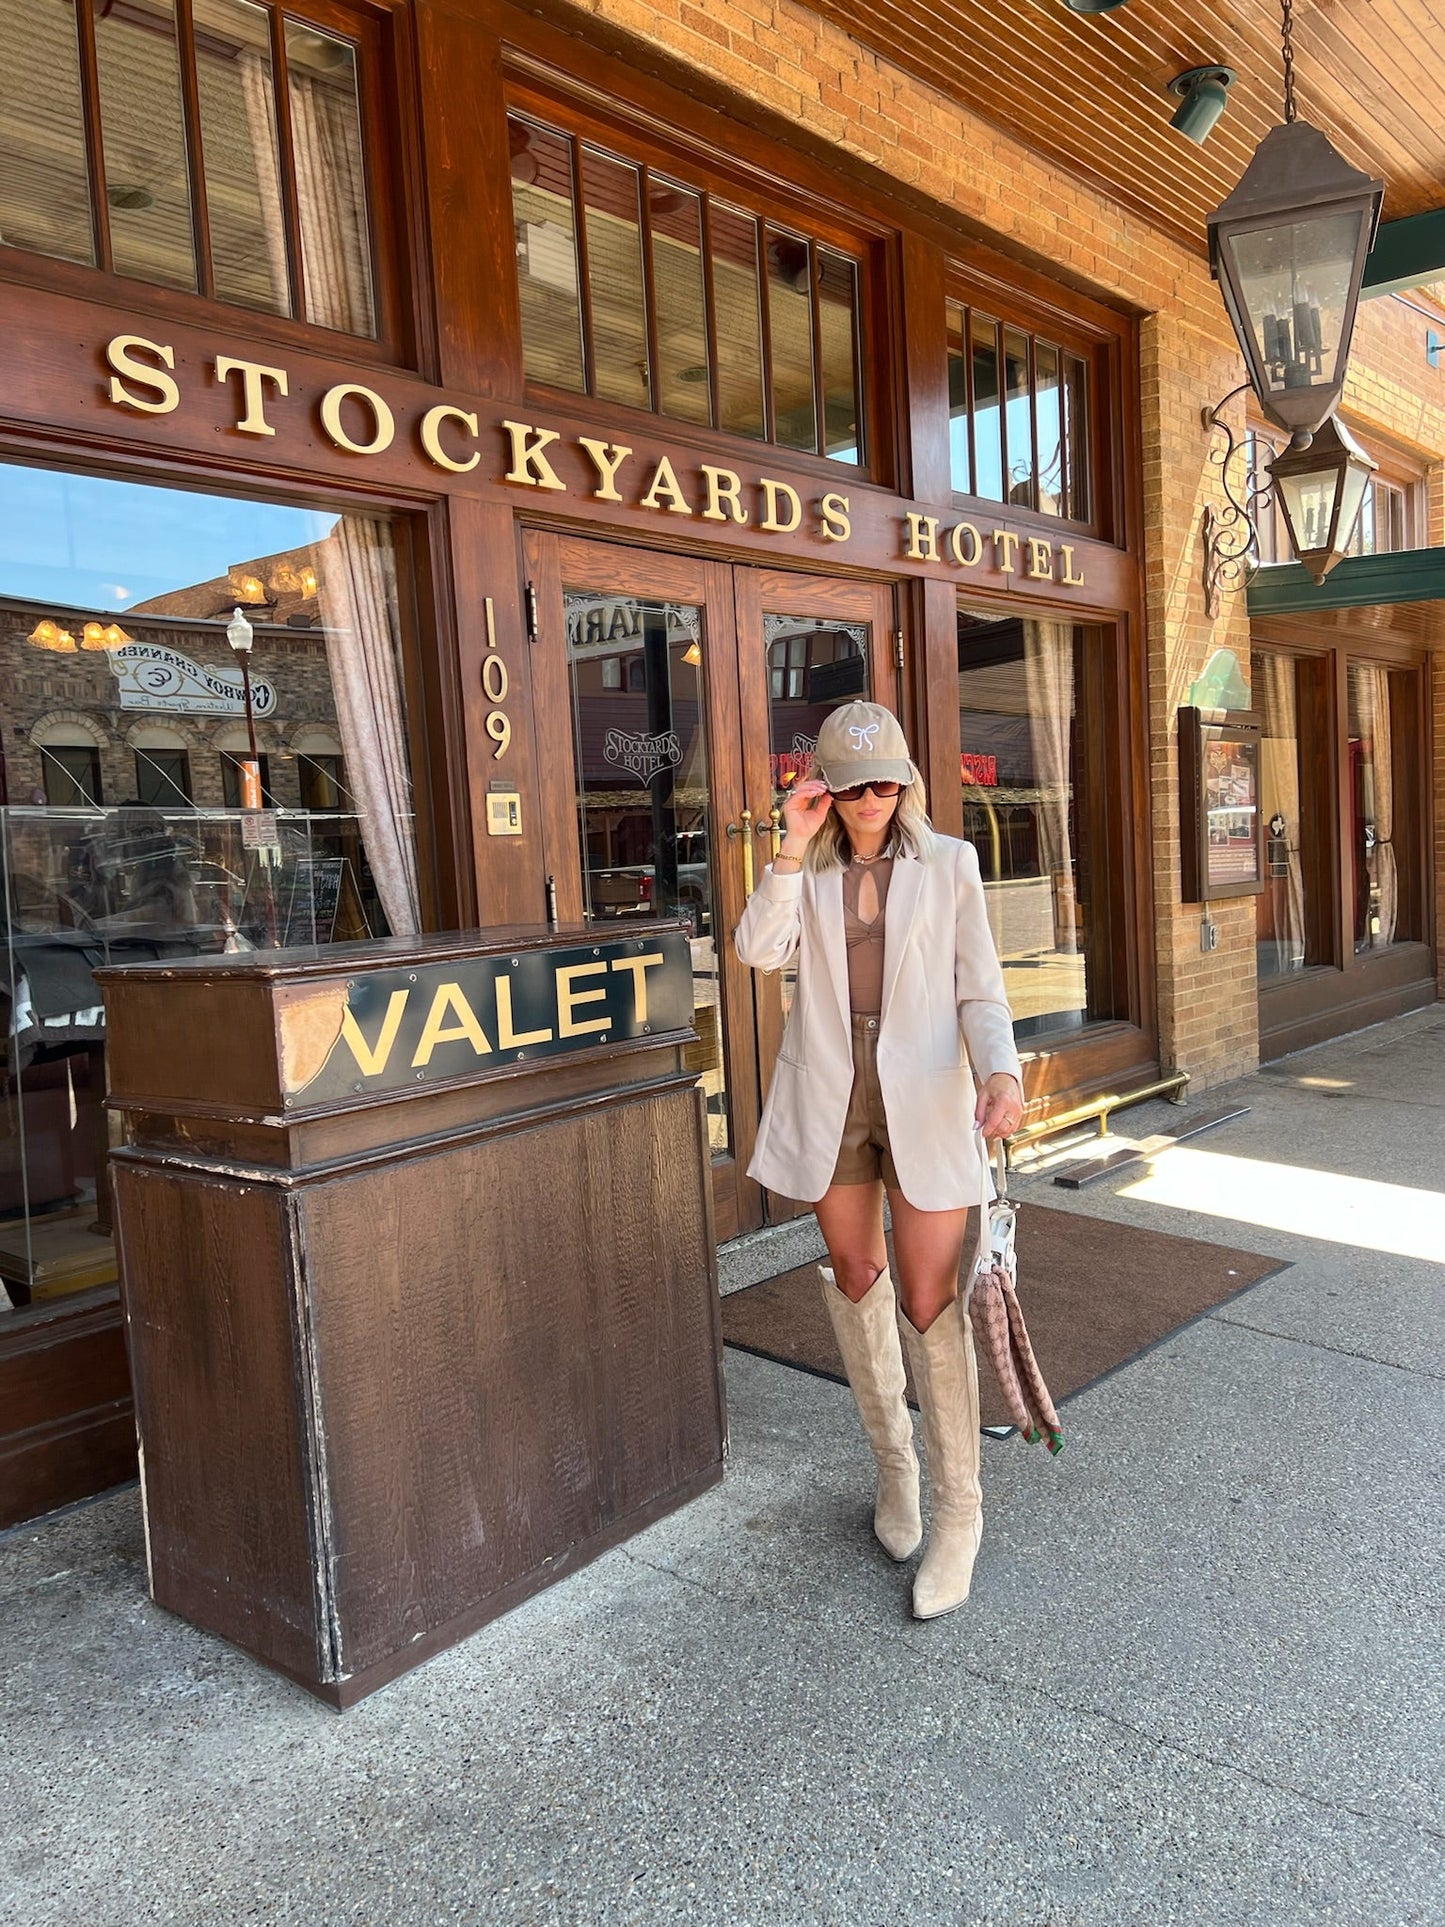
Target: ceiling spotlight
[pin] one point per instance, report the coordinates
(1202, 93)
(1094, 6)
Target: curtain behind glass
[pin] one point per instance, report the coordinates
(1049, 672)
(357, 588)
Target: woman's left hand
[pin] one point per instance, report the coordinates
(1000, 1107)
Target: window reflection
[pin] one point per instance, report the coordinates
(192, 156)
(44, 187)
(1018, 417)
(122, 833)
(670, 300)
(644, 814)
(1031, 722)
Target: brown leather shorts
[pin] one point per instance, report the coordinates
(864, 1156)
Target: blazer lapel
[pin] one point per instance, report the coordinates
(904, 891)
(828, 897)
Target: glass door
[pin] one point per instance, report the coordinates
(636, 706)
(676, 701)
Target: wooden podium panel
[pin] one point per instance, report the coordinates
(408, 1347)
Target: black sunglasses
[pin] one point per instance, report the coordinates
(880, 787)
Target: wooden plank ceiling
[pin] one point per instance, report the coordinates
(1090, 91)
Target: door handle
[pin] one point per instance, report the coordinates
(775, 818)
(744, 829)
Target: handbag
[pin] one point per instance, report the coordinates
(993, 1306)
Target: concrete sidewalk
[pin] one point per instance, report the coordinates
(1200, 1679)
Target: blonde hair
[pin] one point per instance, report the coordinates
(908, 828)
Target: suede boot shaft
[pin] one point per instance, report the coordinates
(867, 1335)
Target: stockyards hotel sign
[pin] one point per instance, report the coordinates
(394, 1030)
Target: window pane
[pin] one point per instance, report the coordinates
(737, 306)
(987, 412)
(645, 821)
(238, 137)
(44, 191)
(960, 461)
(1031, 713)
(1049, 415)
(1282, 921)
(677, 278)
(330, 179)
(838, 340)
(1018, 428)
(790, 314)
(1374, 805)
(546, 255)
(140, 854)
(814, 664)
(614, 266)
(147, 184)
(72, 777)
(163, 778)
(1076, 437)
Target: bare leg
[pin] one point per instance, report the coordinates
(928, 1246)
(850, 1217)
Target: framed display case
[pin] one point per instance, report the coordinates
(1221, 836)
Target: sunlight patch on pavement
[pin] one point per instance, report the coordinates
(1342, 1210)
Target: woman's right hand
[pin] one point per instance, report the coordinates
(804, 811)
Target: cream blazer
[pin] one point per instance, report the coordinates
(943, 991)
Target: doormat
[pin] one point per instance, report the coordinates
(1095, 1295)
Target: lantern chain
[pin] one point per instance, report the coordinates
(1291, 112)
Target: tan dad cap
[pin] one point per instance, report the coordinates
(861, 743)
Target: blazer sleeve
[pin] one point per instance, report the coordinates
(768, 930)
(983, 1006)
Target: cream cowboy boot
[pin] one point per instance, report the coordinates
(945, 1375)
(867, 1335)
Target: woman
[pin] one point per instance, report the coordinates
(897, 973)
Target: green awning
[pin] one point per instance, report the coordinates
(1406, 253)
(1411, 575)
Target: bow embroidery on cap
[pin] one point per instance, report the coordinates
(862, 734)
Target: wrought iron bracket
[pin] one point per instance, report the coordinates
(1231, 534)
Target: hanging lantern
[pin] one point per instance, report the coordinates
(1288, 249)
(1320, 488)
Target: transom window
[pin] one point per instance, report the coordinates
(209, 145)
(662, 296)
(1018, 416)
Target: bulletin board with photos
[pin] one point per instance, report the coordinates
(1221, 836)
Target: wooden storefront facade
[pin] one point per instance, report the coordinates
(954, 549)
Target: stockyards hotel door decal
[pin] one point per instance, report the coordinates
(389, 1031)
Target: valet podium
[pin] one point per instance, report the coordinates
(417, 1263)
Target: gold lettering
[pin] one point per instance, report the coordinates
(1006, 548)
(772, 491)
(665, 482)
(837, 523)
(252, 373)
(449, 998)
(956, 536)
(607, 458)
(530, 466)
(922, 537)
(723, 486)
(431, 438)
(507, 1037)
(568, 999)
(373, 1062)
(639, 966)
(1066, 551)
(120, 357)
(383, 423)
(1038, 559)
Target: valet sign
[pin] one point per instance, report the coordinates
(391, 1030)
(151, 677)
